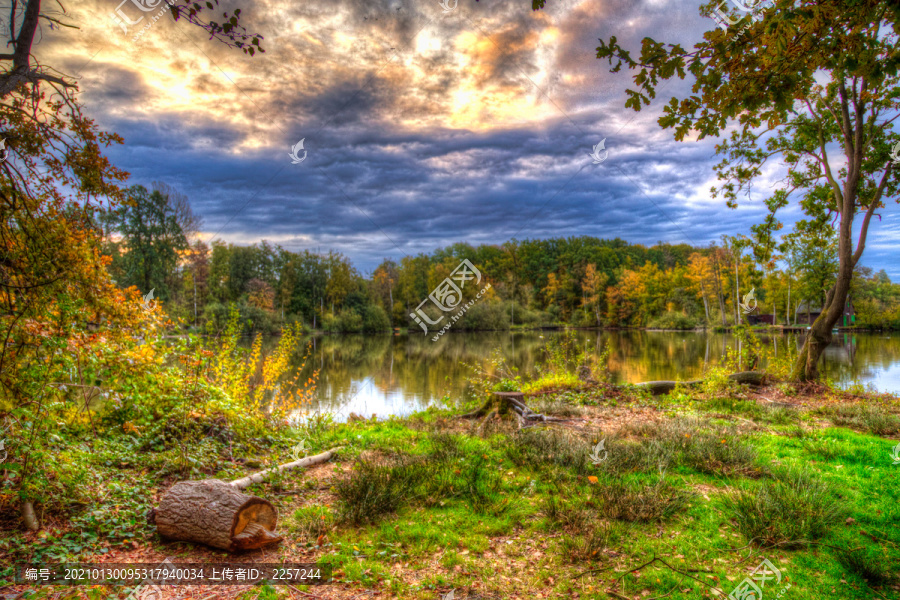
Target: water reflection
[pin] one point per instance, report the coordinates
(400, 374)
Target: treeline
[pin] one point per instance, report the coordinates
(579, 281)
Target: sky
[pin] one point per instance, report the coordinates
(421, 127)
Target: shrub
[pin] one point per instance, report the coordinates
(590, 542)
(791, 509)
(549, 447)
(864, 417)
(375, 489)
(484, 315)
(673, 320)
(375, 319)
(630, 502)
(346, 321)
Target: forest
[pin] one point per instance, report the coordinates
(153, 244)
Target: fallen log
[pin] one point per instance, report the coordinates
(664, 387)
(218, 514)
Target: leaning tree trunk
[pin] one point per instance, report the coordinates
(806, 368)
(217, 514)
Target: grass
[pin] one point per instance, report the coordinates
(791, 509)
(635, 502)
(416, 507)
(870, 417)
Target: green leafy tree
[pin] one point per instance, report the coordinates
(812, 83)
(151, 241)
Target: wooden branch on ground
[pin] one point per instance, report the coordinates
(243, 482)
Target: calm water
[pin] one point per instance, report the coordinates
(400, 374)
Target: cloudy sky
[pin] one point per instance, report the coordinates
(421, 127)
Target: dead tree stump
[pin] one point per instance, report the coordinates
(217, 514)
(504, 403)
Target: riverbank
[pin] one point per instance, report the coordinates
(686, 494)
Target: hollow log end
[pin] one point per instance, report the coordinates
(253, 537)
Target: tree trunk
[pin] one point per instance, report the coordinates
(806, 368)
(243, 482)
(737, 293)
(705, 301)
(787, 310)
(28, 516)
(719, 288)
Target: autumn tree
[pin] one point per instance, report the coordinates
(56, 298)
(811, 83)
(593, 285)
(384, 279)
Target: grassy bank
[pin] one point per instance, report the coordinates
(688, 494)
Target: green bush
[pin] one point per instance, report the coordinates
(673, 320)
(375, 319)
(484, 315)
(252, 319)
(346, 321)
(790, 509)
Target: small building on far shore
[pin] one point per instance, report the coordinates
(806, 315)
(761, 319)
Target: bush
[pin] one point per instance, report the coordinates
(673, 320)
(375, 319)
(346, 321)
(251, 319)
(791, 509)
(522, 315)
(864, 417)
(375, 489)
(629, 502)
(484, 315)
(536, 448)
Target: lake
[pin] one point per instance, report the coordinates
(399, 374)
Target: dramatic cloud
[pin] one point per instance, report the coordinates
(422, 128)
